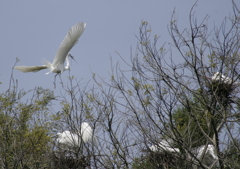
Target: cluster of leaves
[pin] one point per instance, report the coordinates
(24, 134)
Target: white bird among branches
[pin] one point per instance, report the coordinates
(218, 77)
(205, 152)
(72, 140)
(57, 66)
(164, 146)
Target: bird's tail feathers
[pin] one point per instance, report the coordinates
(30, 68)
(48, 65)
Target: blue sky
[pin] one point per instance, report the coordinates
(33, 30)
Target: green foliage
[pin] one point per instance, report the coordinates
(233, 154)
(66, 108)
(190, 118)
(155, 160)
(140, 163)
(24, 138)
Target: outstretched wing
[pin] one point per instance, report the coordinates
(30, 68)
(68, 42)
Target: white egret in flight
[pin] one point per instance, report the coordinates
(75, 140)
(57, 66)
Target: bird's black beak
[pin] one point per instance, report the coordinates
(71, 56)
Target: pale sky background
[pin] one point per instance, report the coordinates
(33, 30)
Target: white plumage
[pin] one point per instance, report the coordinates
(210, 152)
(220, 77)
(163, 146)
(207, 154)
(74, 140)
(62, 53)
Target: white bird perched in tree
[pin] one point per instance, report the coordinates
(62, 54)
(220, 77)
(74, 140)
(208, 154)
(164, 146)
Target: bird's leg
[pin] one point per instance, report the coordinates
(55, 81)
(61, 82)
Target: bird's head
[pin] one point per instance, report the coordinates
(58, 135)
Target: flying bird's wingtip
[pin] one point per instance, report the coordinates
(19, 68)
(83, 24)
